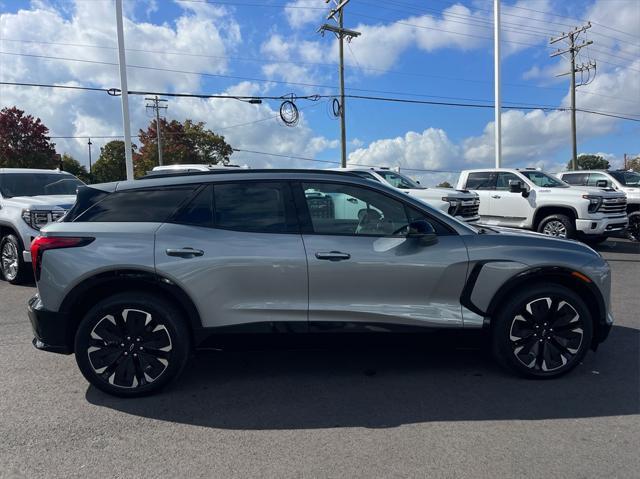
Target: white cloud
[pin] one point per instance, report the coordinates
(300, 13)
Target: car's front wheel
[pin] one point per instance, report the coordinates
(12, 267)
(560, 226)
(633, 231)
(543, 331)
(132, 344)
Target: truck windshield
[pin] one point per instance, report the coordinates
(399, 181)
(627, 178)
(545, 181)
(30, 184)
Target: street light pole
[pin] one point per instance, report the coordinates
(496, 80)
(122, 64)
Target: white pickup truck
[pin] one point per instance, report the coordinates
(621, 180)
(29, 200)
(532, 199)
(463, 205)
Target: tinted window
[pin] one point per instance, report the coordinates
(627, 178)
(30, 184)
(543, 180)
(595, 177)
(399, 181)
(576, 179)
(351, 210)
(199, 211)
(504, 179)
(258, 207)
(482, 180)
(144, 205)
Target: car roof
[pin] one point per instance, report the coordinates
(189, 177)
(32, 170)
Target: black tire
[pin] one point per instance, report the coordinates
(12, 267)
(561, 226)
(633, 231)
(132, 344)
(536, 344)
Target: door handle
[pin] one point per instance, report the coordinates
(333, 256)
(496, 196)
(184, 252)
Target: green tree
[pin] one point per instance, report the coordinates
(590, 162)
(111, 165)
(634, 164)
(182, 143)
(73, 166)
(444, 184)
(24, 142)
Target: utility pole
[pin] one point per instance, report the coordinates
(341, 33)
(89, 145)
(156, 105)
(496, 83)
(573, 50)
(122, 64)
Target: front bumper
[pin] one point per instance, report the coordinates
(50, 328)
(602, 227)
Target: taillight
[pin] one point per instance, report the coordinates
(43, 243)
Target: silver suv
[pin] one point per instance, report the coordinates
(141, 273)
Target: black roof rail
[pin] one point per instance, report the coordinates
(242, 171)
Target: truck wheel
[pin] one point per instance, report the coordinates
(132, 344)
(542, 332)
(12, 267)
(633, 230)
(560, 226)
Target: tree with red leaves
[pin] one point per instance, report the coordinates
(24, 142)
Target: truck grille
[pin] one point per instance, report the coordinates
(613, 206)
(469, 209)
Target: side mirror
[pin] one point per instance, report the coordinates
(515, 186)
(602, 183)
(423, 232)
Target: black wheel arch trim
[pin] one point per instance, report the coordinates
(564, 274)
(126, 279)
(537, 219)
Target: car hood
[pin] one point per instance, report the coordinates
(44, 202)
(582, 190)
(439, 193)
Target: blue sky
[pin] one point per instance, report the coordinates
(436, 50)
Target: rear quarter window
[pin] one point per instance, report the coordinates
(147, 205)
(481, 180)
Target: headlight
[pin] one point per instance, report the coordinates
(36, 219)
(454, 204)
(594, 202)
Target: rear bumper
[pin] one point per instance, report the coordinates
(50, 328)
(602, 227)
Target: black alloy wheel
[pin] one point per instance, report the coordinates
(132, 345)
(543, 331)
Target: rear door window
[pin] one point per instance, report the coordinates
(481, 180)
(260, 207)
(145, 205)
(576, 179)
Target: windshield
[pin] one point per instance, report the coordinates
(627, 178)
(399, 181)
(30, 184)
(544, 180)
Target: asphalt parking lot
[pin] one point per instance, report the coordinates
(402, 409)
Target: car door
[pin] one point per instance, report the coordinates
(482, 183)
(362, 274)
(510, 209)
(242, 261)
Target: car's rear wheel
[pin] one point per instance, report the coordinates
(132, 344)
(542, 332)
(560, 226)
(12, 266)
